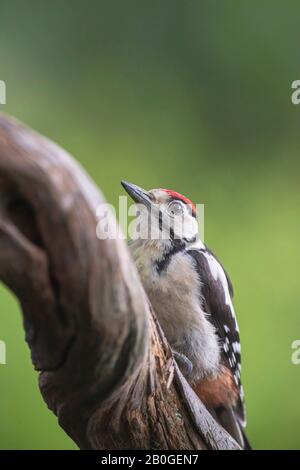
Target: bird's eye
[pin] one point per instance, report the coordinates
(175, 208)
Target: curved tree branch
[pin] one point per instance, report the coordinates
(106, 369)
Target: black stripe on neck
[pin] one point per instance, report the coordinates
(160, 222)
(163, 263)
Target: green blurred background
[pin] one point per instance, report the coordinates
(191, 95)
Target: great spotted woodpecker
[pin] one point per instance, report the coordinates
(192, 296)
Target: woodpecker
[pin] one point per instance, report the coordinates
(191, 294)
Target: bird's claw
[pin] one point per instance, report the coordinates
(184, 363)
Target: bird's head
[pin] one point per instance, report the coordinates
(163, 216)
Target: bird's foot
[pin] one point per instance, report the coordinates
(184, 363)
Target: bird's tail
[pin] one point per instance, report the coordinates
(226, 417)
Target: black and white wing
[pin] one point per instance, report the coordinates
(216, 296)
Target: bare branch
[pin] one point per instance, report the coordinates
(107, 371)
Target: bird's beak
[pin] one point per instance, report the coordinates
(138, 194)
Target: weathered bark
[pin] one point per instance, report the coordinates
(106, 369)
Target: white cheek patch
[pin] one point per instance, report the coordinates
(185, 226)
